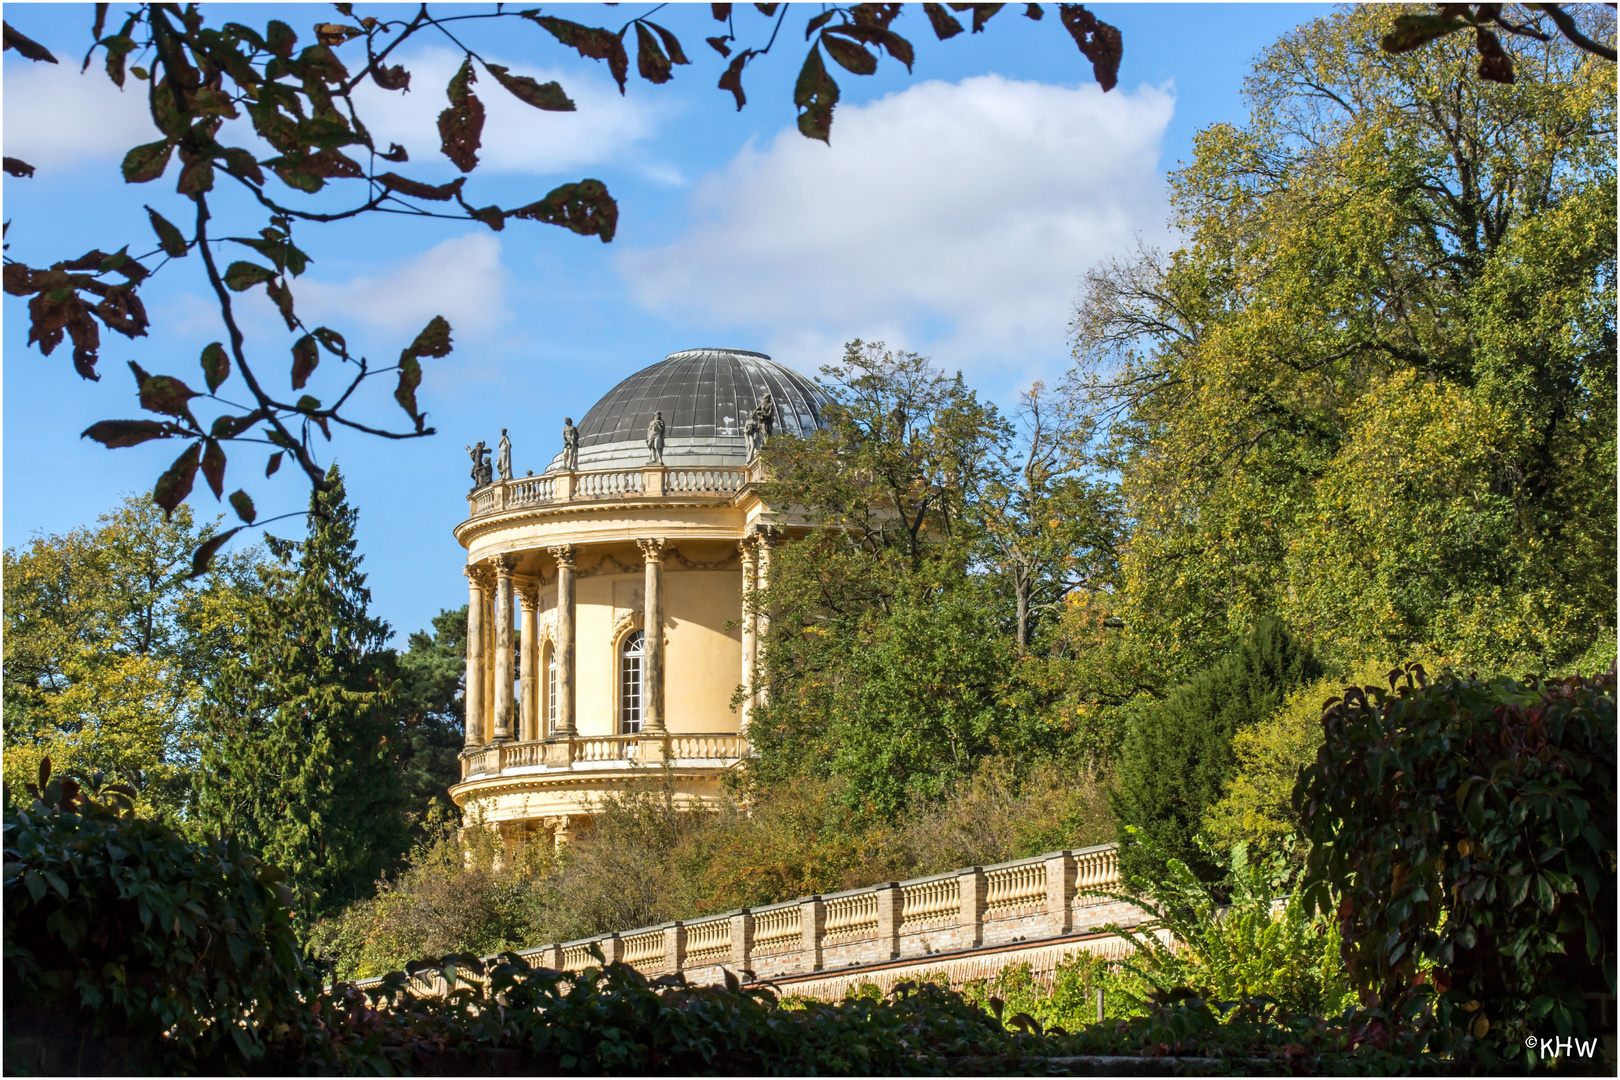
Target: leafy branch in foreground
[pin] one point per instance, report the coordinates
(310, 160)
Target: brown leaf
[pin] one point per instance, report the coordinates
(18, 167)
(651, 63)
(1033, 11)
(205, 551)
(163, 393)
(878, 15)
(169, 237)
(273, 464)
(731, 79)
(229, 427)
(213, 466)
(461, 126)
(591, 42)
(721, 12)
(20, 280)
(1494, 63)
(434, 340)
(672, 44)
(1099, 42)
(850, 56)
(944, 25)
(718, 44)
(585, 208)
(175, 484)
(146, 162)
(330, 34)
(30, 49)
(418, 190)
(114, 434)
(396, 153)
(391, 78)
(281, 293)
(548, 96)
(305, 358)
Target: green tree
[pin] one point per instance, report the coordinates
(109, 642)
(889, 487)
(303, 738)
(1178, 757)
(1374, 390)
(432, 712)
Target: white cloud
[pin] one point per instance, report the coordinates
(952, 218)
(517, 138)
(56, 117)
(461, 279)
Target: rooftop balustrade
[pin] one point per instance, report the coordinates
(710, 482)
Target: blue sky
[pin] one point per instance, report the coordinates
(953, 214)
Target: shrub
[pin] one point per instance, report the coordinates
(119, 929)
(1263, 944)
(1467, 827)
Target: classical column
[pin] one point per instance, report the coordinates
(504, 565)
(750, 642)
(565, 639)
(529, 662)
(652, 671)
(767, 540)
(474, 695)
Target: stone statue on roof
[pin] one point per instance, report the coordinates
(570, 444)
(655, 438)
(503, 462)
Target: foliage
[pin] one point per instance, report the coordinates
(432, 713)
(1178, 756)
(460, 890)
(1470, 825)
(1373, 392)
(307, 145)
(1257, 807)
(108, 644)
(185, 947)
(300, 760)
(1261, 943)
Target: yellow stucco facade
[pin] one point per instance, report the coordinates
(609, 628)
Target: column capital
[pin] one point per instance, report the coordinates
(528, 591)
(652, 549)
(505, 565)
(564, 554)
(767, 535)
(478, 574)
(749, 546)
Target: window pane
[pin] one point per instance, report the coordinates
(630, 684)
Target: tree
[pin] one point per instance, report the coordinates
(108, 646)
(1374, 391)
(300, 103)
(884, 571)
(302, 737)
(1178, 757)
(431, 710)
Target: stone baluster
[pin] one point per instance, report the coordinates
(652, 678)
(565, 640)
(529, 662)
(750, 641)
(476, 604)
(504, 566)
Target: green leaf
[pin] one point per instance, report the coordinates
(848, 54)
(175, 484)
(240, 276)
(146, 162)
(169, 237)
(815, 94)
(243, 505)
(216, 365)
(548, 96)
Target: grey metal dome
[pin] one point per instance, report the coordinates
(705, 396)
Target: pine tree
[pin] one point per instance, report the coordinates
(300, 760)
(1178, 757)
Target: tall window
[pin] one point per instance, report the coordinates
(551, 690)
(630, 683)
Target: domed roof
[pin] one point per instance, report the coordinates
(705, 396)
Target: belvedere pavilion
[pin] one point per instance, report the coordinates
(609, 628)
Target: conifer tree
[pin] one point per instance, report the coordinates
(302, 736)
(1178, 756)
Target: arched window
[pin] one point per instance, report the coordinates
(551, 689)
(630, 655)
